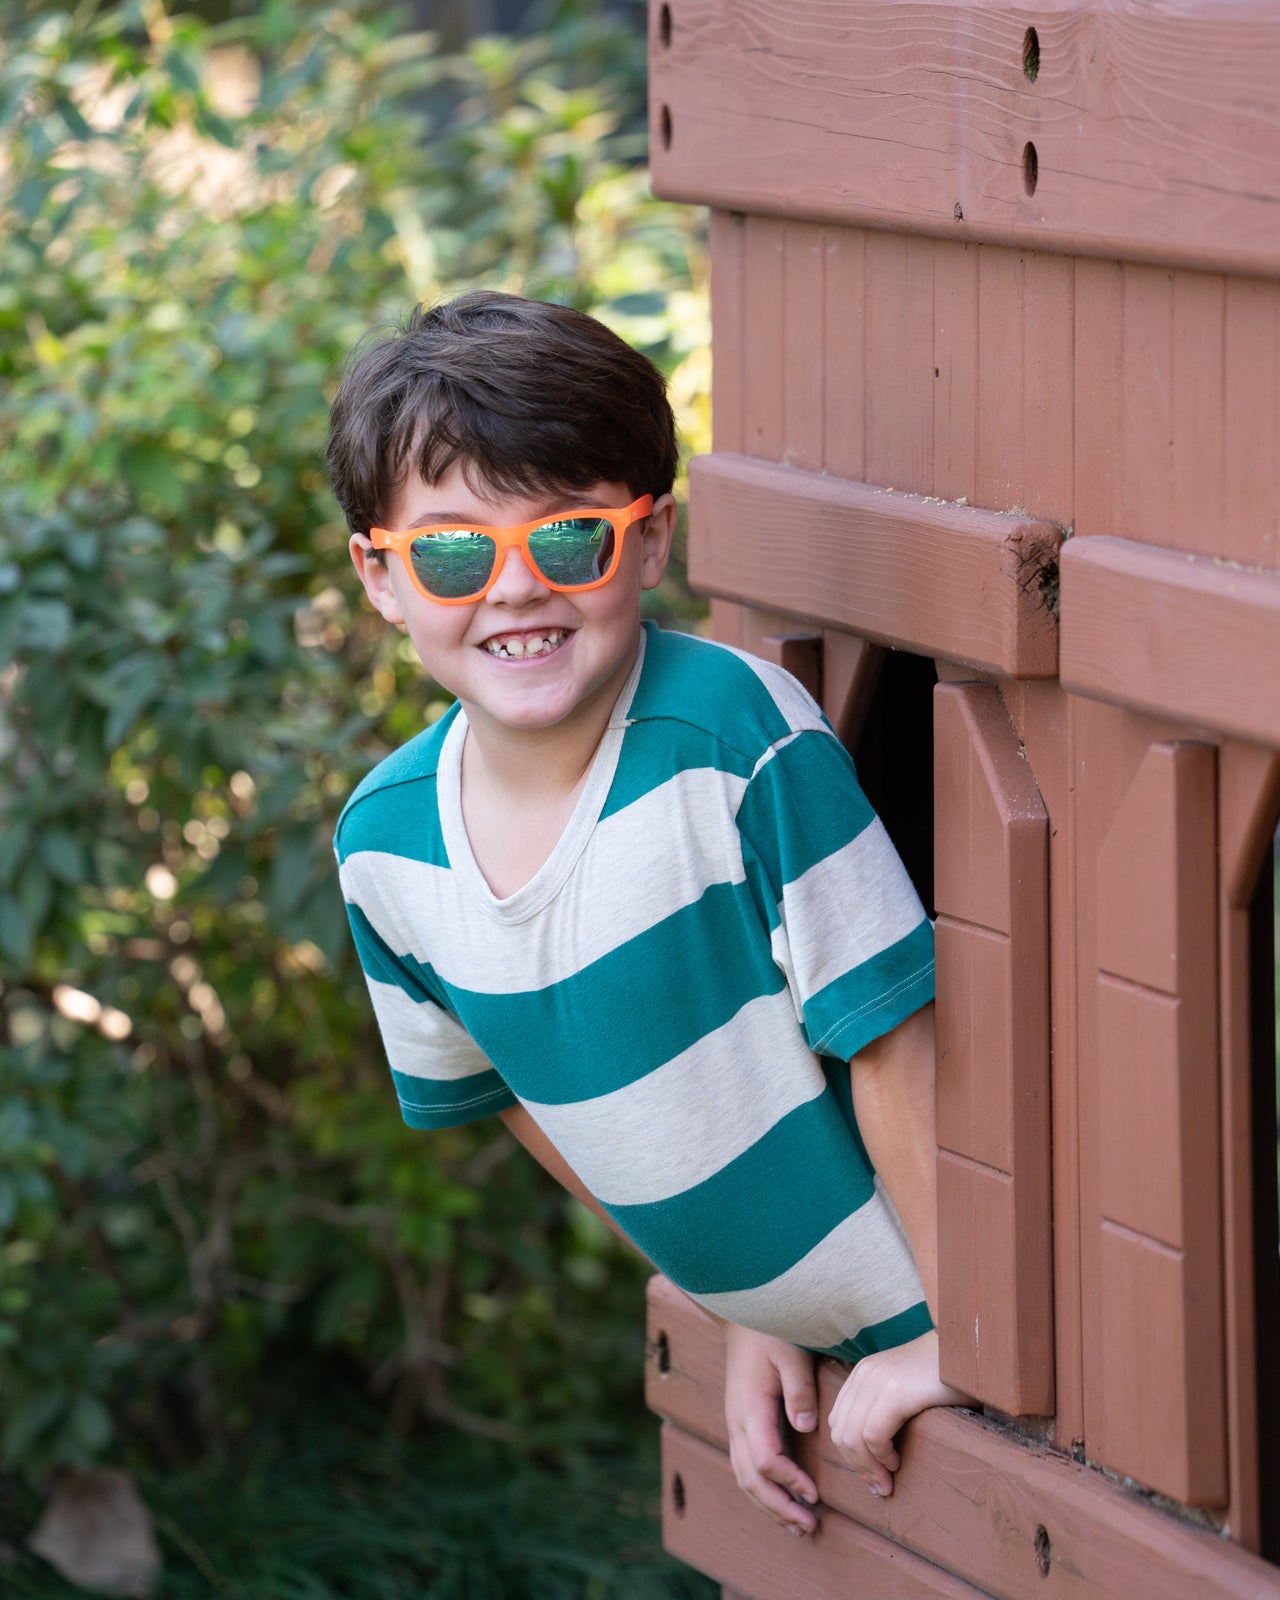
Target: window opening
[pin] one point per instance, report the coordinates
(894, 757)
(1265, 1032)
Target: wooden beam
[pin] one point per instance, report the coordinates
(1146, 133)
(920, 574)
(708, 1523)
(1188, 637)
(976, 1498)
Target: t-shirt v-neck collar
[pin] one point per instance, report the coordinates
(554, 872)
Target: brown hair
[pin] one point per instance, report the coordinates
(525, 395)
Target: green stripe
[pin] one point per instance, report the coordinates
(379, 962)
(620, 1017)
(874, 997)
(444, 1103)
(655, 752)
(386, 812)
(898, 1329)
(760, 1214)
(710, 686)
(778, 814)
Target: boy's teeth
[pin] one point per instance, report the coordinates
(529, 644)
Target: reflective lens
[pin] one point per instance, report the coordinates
(453, 563)
(456, 563)
(572, 550)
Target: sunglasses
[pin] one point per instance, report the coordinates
(456, 564)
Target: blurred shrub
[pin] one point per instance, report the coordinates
(208, 1207)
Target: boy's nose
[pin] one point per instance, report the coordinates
(517, 583)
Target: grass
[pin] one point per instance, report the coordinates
(358, 1516)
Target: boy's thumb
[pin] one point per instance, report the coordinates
(800, 1394)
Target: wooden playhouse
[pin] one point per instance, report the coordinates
(996, 343)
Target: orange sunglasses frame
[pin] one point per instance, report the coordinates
(619, 518)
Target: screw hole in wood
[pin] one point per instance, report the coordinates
(677, 1493)
(664, 1355)
(1030, 53)
(664, 27)
(1030, 168)
(665, 121)
(1042, 1551)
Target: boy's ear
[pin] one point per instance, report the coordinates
(373, 568)
(660, 526)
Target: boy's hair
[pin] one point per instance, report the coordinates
(526, 396)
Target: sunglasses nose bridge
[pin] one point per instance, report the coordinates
(516, 574)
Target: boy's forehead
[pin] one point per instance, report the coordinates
(459, 494)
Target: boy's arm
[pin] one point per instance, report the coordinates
(893, 1100)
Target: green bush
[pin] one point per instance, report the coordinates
(209, 1210)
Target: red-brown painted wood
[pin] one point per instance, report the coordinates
(925, 575)
(991, 890)
(800, 654)
(970, 1496)
(1191, 637)
(1155, 1405)
(710, 1524)
(916, 117)
(1248, 812)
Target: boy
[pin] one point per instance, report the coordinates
(626, 893)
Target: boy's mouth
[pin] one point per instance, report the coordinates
(531, 642)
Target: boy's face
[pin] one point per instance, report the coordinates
(588, 640)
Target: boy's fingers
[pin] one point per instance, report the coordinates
(778, 1487)
(800, 1393)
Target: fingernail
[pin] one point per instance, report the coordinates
(806, 1419)
(876, 1490)
(796, 1533)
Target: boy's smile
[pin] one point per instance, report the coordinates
(526, 658)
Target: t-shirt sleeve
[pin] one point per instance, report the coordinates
(846, 924)
(441, 1076)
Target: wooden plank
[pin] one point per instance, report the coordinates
(1190, 637)
(1042, 716)
(726, 244)
(972, 1496)
(1156, 129)
(764, 301)
(1251, 424)
(851, 669)
(800, 654)
(924, 575)
(802, 314)
(899, 362)
(1248, 807)
(1155, 1406)
(708, 1523)
(844, 369)
(991, 891)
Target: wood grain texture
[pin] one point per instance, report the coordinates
(800, 654)
(708, 1523)
(1156, 131)
(1155, 1404)
(1248, 811)
(1042, 716)
(970, 1496)
(926, 576)
(991, 890)
(1194, 638)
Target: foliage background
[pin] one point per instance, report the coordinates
(340, 1359)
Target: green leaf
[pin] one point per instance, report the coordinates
(15, 934)
(61, 853)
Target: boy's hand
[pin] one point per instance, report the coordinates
(881, 1393)
(765, 1377)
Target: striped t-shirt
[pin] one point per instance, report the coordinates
(676, 992)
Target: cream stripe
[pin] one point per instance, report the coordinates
(645, 862)
(683, 1122)
(847, 908)
(860, 1274)
(422, 1040)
